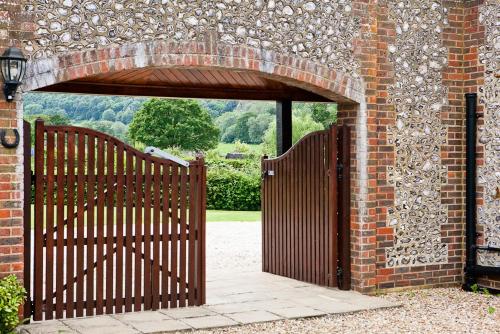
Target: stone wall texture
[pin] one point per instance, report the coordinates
(418, 94)
(489, 133)
(411, 60)
(321, 31)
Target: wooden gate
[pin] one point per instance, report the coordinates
(116, 230)
(305, 210)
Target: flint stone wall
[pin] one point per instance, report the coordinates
(321, 31)
(489, 133)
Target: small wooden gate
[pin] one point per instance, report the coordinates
(305, 195)
(116, 230)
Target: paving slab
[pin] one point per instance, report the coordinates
(251, 317)
(212, 321)
(233, 308)
(298, 312)
(99, 325)
(46, 327)
(151, 327)
(187, 312)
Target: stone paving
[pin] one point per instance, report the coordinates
(234, 297)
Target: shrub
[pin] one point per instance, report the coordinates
(12, 295)
(232, 189)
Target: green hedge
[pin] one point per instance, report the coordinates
(233, 189)
(12, 295)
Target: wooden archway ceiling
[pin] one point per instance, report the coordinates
(195, 83)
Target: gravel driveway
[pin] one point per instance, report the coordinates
(449, 310)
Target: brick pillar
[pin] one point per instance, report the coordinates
(15, 26)
(11, 190)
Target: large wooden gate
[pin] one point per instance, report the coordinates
(305, 210)
(116, 230)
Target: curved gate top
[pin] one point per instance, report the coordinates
(305, 210)
(115, 229)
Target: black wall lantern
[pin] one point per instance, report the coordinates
(13, 65)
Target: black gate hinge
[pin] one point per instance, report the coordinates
(340, 170)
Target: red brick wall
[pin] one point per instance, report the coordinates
(14, 27)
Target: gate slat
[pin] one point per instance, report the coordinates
(110, 224)
(155, 303)
(80, 222)
(71, 224)
(49, 230)
(119, 228)
(165, 233)
(59, 265)
(316, 201)
(332, 219)
(174, 243)
(138, 234)
(202, 235)
(129, 212)
(100, 227)
(39, 221)
(91, 154)
(183, 226)
(147, 235)
(300, 225)
(193, 200)
(321, 244)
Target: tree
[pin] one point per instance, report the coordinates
(301, 126)
(115, 129)
(55, 119)
(108, 115)
(246, 126)
(167, 123)
(324, 113)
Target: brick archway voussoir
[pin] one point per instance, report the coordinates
(288, 69)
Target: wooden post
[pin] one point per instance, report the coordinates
(283, 126)
(344, 190)
(27, 217)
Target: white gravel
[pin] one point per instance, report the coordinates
(444, 310)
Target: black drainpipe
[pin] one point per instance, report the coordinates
(472, 269)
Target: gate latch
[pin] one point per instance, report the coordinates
(267, 173)
(340, 169)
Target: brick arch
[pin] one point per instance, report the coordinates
(347, 90)
(292, 70)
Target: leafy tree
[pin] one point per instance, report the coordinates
(301, 126)
(125, 116)
(115, 129)
(258, 126)
(56, 119)
(108, 115)
(246, 126)
(79, 107)
(166, 123)
(324, 113)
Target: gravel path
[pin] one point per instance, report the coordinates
(424, 311)
(448, 310)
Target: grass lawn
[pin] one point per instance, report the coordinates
(212, 215)
(232, 216)
(225, 148)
